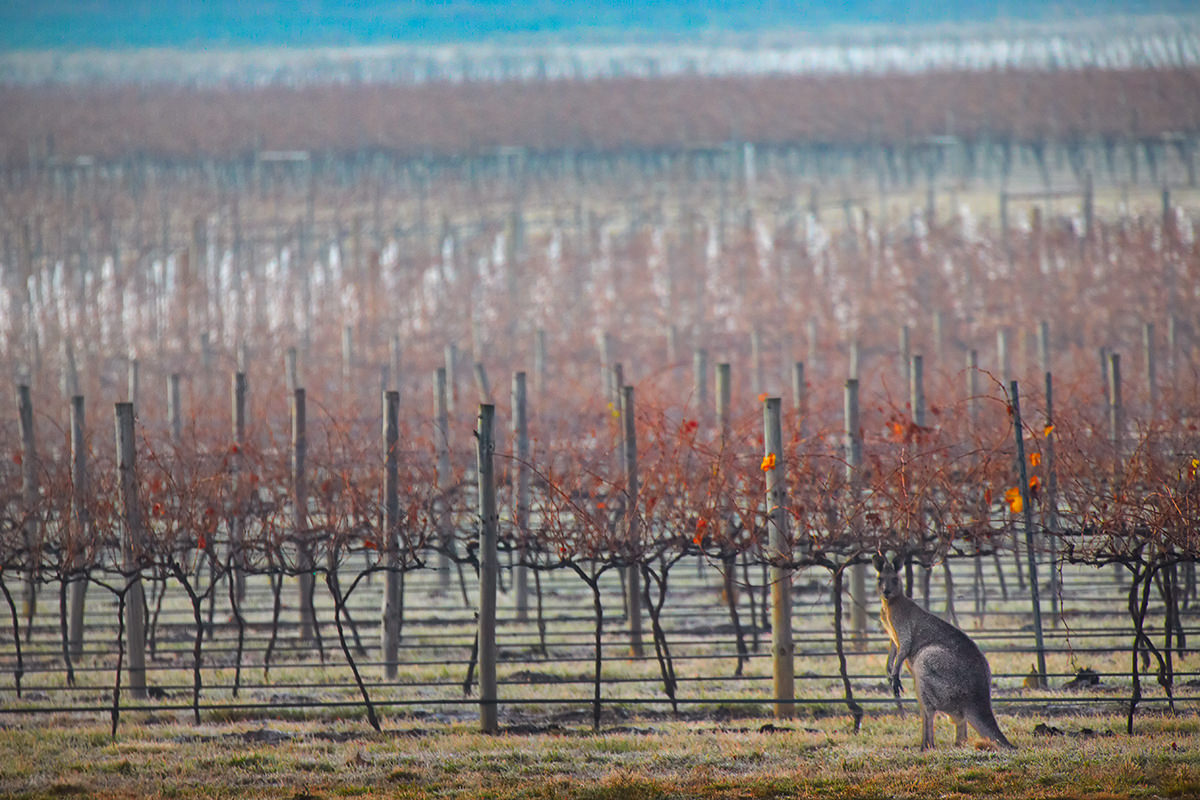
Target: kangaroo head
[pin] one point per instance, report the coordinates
(890, 586)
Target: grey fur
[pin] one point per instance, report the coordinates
(950, 672)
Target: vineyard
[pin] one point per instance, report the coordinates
(312, 424)
(883, 121)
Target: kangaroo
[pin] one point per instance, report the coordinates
(950, 673)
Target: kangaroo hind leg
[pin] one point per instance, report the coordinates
(927, 715)
(960, 730)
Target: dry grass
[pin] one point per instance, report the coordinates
(807, 758)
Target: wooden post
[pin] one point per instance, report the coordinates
(799, 397)
(939, 337)
(916, 389)
(854, 457)
(235, 464)
(1003, 362)
(1104, 367)
(70, 374)
(700, 380)
(520, 477)
(539, 361)
(174, 411)
(616, 380)
(973, 388)
(441, 444)
(80, 530)
(813, 344)
(905, 352)
(1172, 344)
(451, 379)
(29, 495)
(394, 353)
(347, 359)
(723, 400)
(1116, 411)
(300, 514)
(481, 382)
(291, 370)
(131, 394)
(132, 532)
(779, 555)
(855, 359)
(756, 361)
(488, 568)
(1151, 364)
(1050, 505)
(1023, 477)
(1168, 215)
(1044, 349)
(633, 575)
(393, 592)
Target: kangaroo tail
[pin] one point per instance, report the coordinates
(983, 721)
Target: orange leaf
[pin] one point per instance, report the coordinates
(762, 398)
(1013, 498)
(1035, 459)
(370, 545)
(1048, 430)
(701, 525)
(768, 462)
(202, 542)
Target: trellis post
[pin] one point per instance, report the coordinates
(132, 533)
(488, 568)
(854, 456)
(520, 478)
(79, 516)
(300, 513)
(394, 582)
(779, 555)
(633, 581)
(1023, 477)
(29, 493)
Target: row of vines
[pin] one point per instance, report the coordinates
(946, 385)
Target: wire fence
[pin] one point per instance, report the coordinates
(544, 677)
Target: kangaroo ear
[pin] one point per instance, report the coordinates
(897, 562)
(879, 561)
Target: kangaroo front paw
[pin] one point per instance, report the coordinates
(897, 687)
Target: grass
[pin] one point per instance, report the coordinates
(809, 758)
